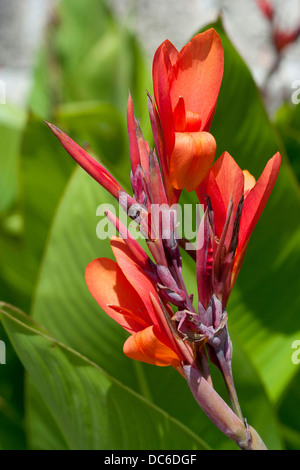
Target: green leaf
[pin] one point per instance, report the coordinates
(92, 410)
(43, 432)
(45, 171)
(288, 125)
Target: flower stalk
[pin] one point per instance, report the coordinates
(221, 414)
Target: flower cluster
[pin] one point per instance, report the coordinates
(145, 292)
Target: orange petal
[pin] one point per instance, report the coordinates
(197, 75)
(144, 346)
(191, 159)
(109, 286)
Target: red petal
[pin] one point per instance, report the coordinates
(255, 203)
(144, 346)
(179, 115)
(172, 193)
(225, 180)
(142, 284)
(209, 187)
(229, 178)
(197, 74)
(160, 72)
(109, 286)
(191, 158)
(135, 276)
(172, 51)
(89, 164)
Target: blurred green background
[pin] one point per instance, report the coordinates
(50, 396)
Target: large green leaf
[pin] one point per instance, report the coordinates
(43, 432)
(45, 171)
(288, 124)
(92, 410)
(22, 237)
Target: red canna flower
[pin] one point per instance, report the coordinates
(128, 295)
(148, 297)
(186, 87)
(235, 202)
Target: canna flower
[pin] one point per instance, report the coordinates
(148, 296)
(234, 201)
(134, 291)
(186, 87)
(128, 295)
